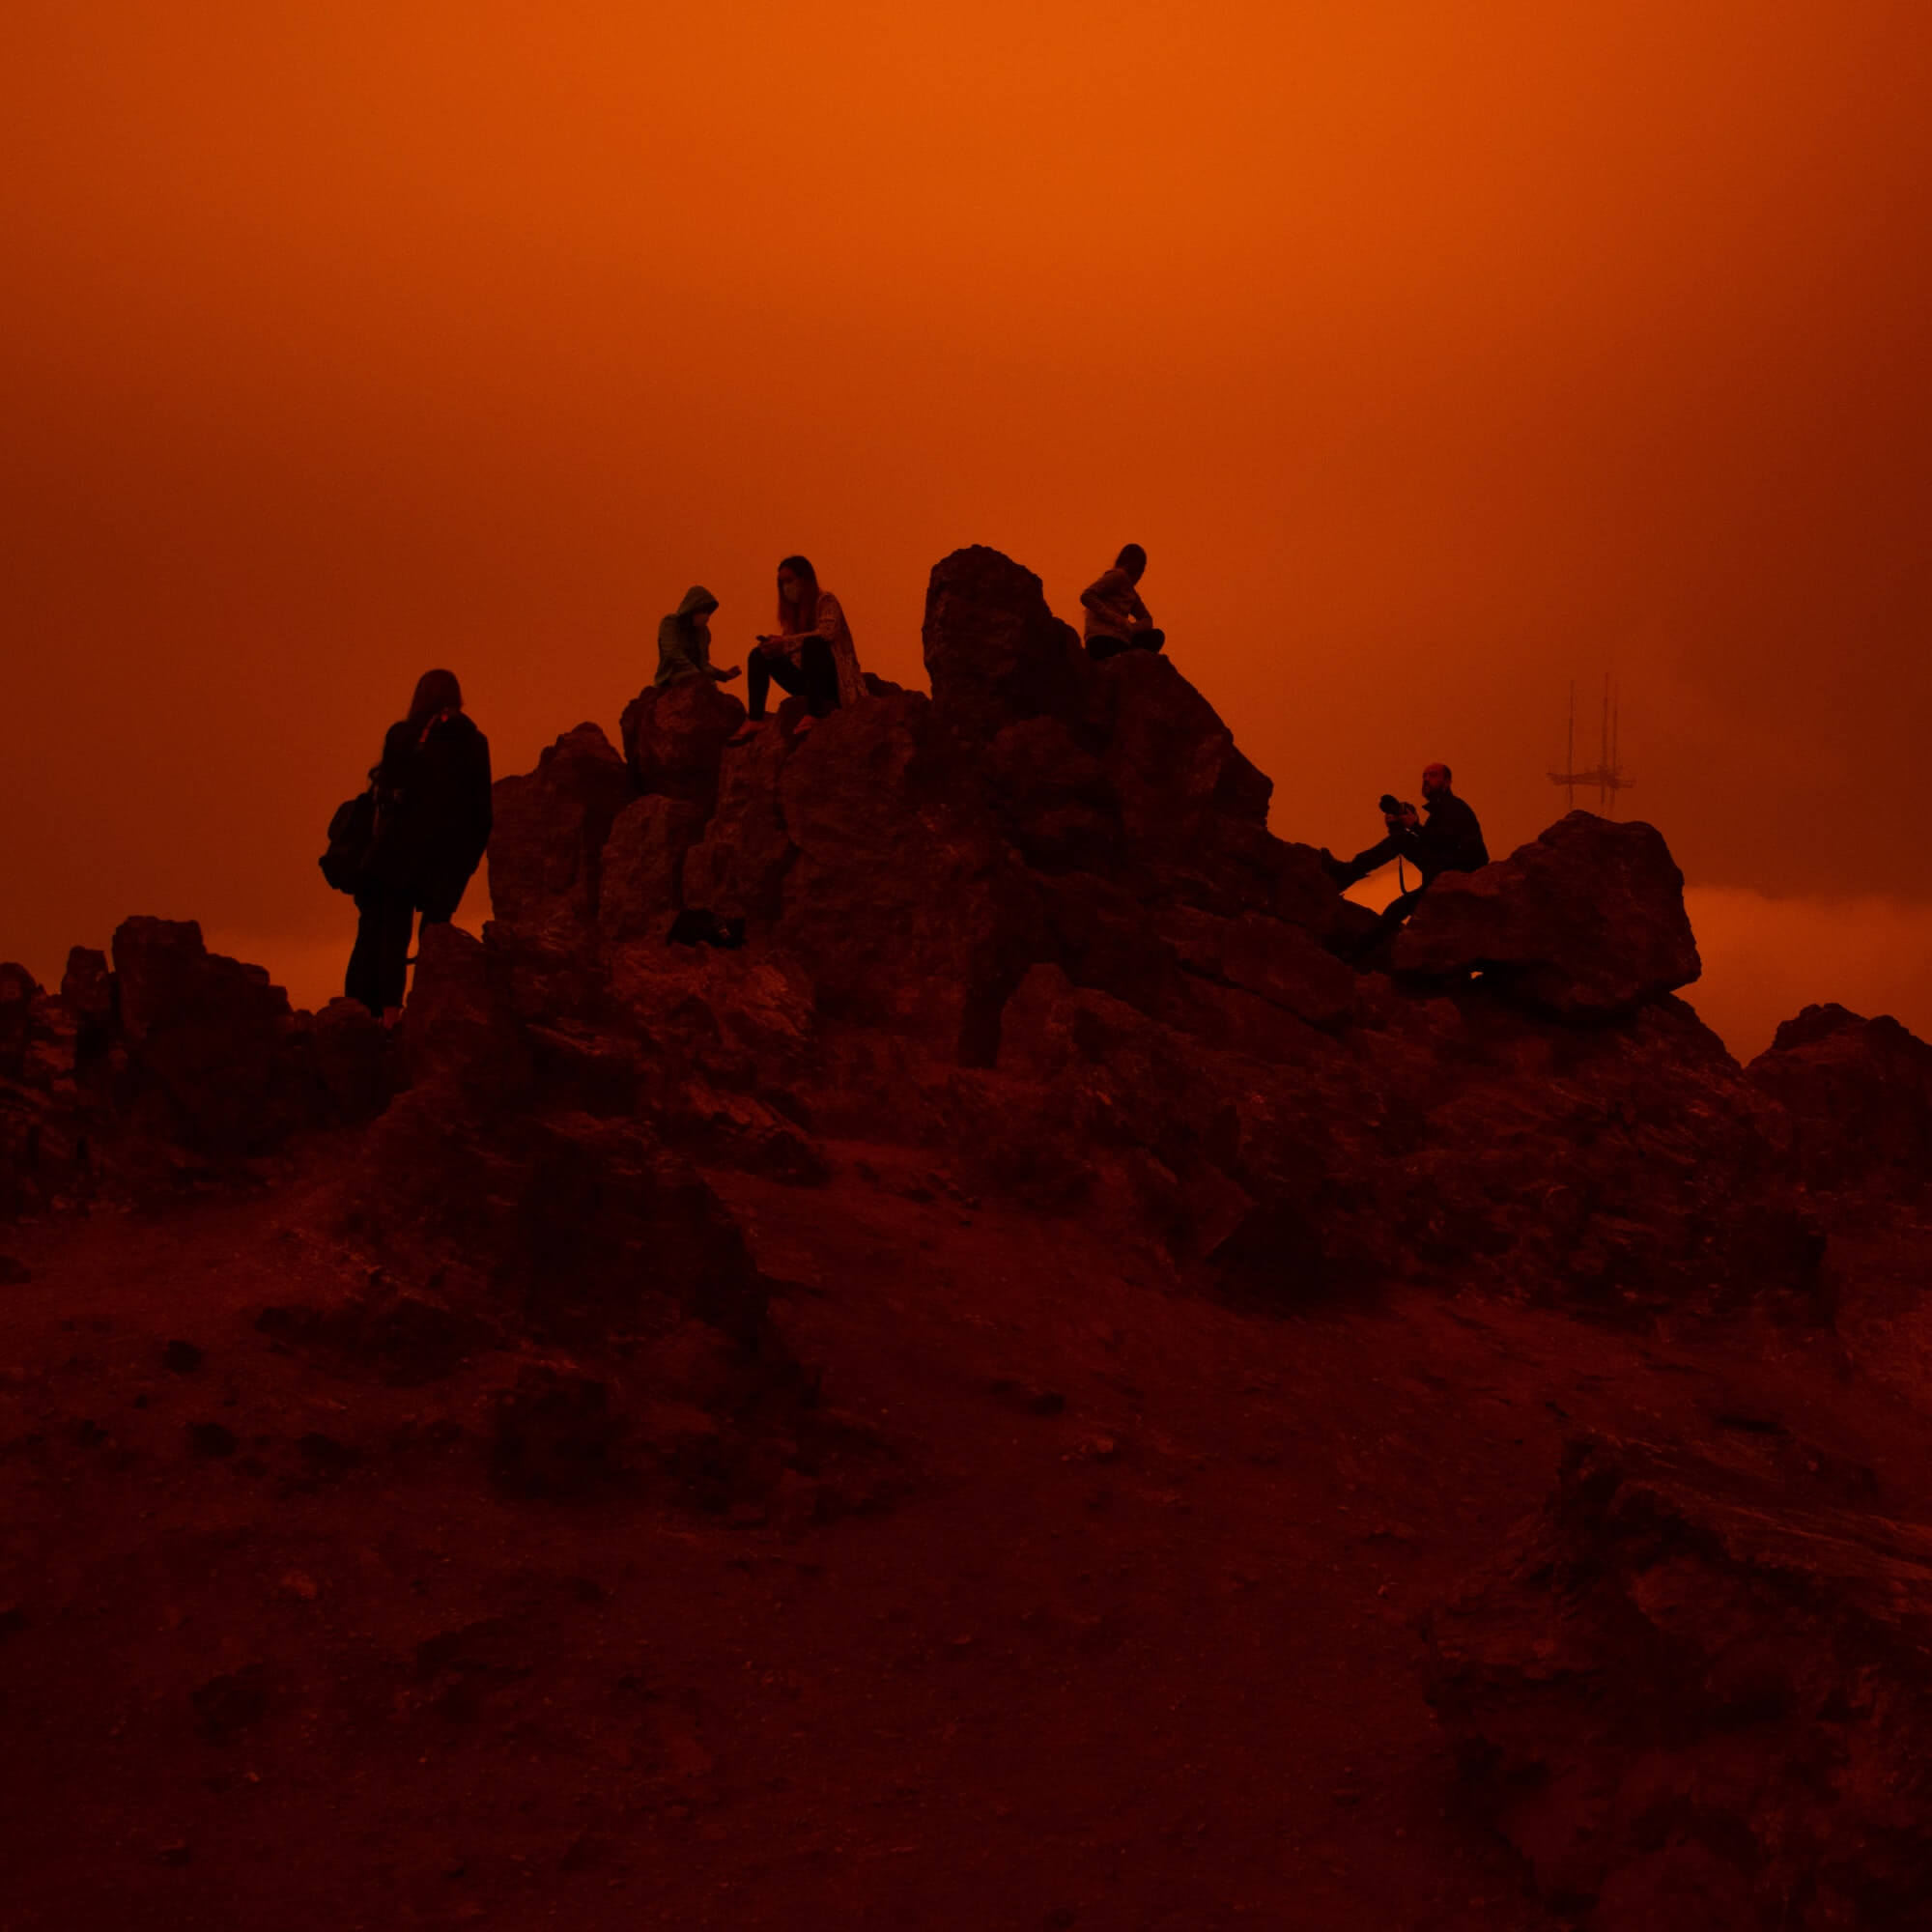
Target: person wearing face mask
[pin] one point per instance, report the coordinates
(684, 641)
(811, 653)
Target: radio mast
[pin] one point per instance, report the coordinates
(1607, 774)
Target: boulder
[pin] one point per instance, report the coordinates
(907, 907)
(87, 990)
(643, 859)
(349, 1051)
(995, 653)
(1052, 798)
(1585, 923)
(1830, 1068)
(673, 735)
(1693, 1693)
(210, 1038)
(546, 848)
(738, 866)
(1280, 963)
(19, 990)
(459, 1028)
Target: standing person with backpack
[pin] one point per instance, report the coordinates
(432, 792)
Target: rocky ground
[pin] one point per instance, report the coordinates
(1046, 1389)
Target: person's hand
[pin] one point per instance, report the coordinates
(1406, 816)
(725, 676)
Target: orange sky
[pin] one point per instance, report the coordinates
(1438, 354)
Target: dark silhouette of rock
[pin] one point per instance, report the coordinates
(18, 989)
(1860, 1095)
(1586, 921)
(673, 735)
(210, 1039)
(906, 907)
(737, 868)
(460, 1031)
(642, 860)
(1694, 1695)
(551, 826)
(994, 652)
(349, 1052)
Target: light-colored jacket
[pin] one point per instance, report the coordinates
(1112, 607)
(829, 622)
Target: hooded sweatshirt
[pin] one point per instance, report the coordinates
(684, 639)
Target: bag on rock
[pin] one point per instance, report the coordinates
(352, 838)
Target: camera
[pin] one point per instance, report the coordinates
(1392, 806)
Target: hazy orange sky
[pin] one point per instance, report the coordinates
(1438, 354)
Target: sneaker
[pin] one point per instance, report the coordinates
(746, 731)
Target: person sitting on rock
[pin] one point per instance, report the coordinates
(809, 654)
(433, 818)
(1451, 841)
(1116, 620)
(684, 641)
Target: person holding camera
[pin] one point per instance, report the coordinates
(1448, 840)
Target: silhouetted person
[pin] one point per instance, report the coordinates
(809, 655)
(1449, 841)
(684, 641)
(432, 827)
(1116, 620)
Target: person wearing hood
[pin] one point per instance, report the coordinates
(684, 641)
(433, 818)
(811, 654)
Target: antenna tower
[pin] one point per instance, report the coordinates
(1607, 774)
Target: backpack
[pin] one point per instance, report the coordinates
(352, 839)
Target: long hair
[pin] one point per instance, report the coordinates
(436, 691)
(804, 614)
(1132, 558)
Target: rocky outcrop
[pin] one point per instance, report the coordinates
(673, 735)
(642, 867)
(1695, 1694)
(1860, 1095)
(547, 845)
(1586, 921)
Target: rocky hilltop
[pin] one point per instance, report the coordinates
(1026, 950)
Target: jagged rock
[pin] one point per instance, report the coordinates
(19, 990)
(210, 1039)
(547, 845)
(643, 859)
(1171, 759)
(1695, 1695)
(87, 990)
(1586, 921)
(737, 868)
(350, 1050)
(1053, 798)
(673, 735)
(1859, 1092)
(905, 905)
(995, 653)
(459, 1030)
(1278, 962)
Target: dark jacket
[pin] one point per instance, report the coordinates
(1448, 840)
(434, 806)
